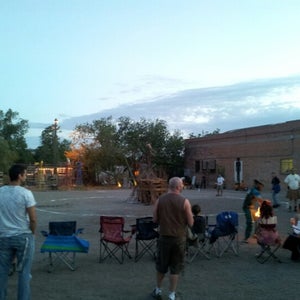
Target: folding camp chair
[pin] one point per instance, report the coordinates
(62, 244)
(199, 243)
(113, 240)
(145, 237)
(224, 234)
(267, 252)
(269, 243)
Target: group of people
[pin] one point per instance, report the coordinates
(172, 211)
(254, 197)
(265, 223)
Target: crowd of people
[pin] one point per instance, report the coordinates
(172, 212)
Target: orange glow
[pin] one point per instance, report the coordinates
(257, 214)
(119, 184)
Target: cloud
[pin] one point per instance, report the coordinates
(236, 106)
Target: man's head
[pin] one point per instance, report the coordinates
(17, 171)
(259, 184)
(176, 184)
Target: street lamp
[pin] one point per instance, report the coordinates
(55, 150)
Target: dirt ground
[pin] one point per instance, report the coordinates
(228, 277)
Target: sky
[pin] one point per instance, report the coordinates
(74, 60)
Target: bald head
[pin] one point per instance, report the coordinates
(175, 184)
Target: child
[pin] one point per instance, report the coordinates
(267, 233)
(198, 230)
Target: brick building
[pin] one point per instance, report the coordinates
(244, 154)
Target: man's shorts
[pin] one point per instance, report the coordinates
(170, 254)
(293, 194)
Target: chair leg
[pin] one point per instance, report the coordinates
(112, 250)
(146, 247)
(67, 258)
(262, 258)
(200, 248)
(225, 243)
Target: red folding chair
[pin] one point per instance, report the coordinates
(114, 240)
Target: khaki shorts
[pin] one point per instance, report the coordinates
(170, 254)
(293, 194)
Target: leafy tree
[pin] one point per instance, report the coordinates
(105, 145)
(12, 131)
(99, 144)
(7, 156)
(47, 151)
(204, 133)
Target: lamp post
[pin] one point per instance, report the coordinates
(55, 128)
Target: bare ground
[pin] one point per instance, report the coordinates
(227, 277)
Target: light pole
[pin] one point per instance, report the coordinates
(55, 128)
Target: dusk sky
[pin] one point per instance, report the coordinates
(67, 59)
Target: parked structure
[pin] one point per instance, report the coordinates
(244, 154)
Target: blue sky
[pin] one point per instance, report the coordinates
(66, 59)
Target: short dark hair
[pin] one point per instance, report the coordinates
(196, 209)
(15, 171)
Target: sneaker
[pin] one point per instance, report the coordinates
(156, 295)
(176, 297)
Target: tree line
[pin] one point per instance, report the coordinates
(101, 146)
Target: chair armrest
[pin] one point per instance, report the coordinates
(79, 231)
(44, 233)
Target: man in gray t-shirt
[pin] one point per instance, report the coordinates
(17, 228)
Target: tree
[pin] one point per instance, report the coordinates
(46, 151)
(204, 133)
(12, 131)
(7, 156)
(106, 144)
(135, 136)
(100, 147)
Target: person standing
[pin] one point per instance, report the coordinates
(252, 197)
(173, 213)
(203, 182)
(275, 189)
(17, 227)
(293, 183)
(220, 185)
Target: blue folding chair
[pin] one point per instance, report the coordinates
(224, 234)
(62, 243)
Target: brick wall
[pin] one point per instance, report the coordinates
(260, 150)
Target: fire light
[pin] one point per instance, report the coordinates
(257, 213)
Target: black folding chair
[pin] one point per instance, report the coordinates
(145, 237)
(198, 244)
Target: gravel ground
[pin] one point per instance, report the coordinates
(228, 277)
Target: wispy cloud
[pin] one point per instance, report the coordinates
(230, 107)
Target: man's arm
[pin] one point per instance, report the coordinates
(188, 212)
(32, 218)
